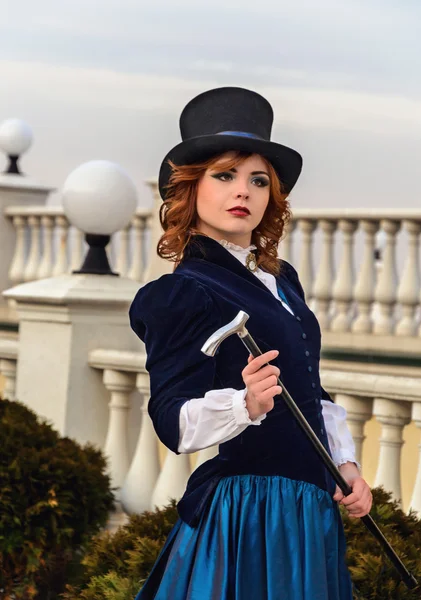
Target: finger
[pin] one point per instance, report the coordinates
(338, 495)
(269, 394)
(358, 487)
(257, 363)
(262, 386)
(363, 500)
(263, 373)
(363, 503)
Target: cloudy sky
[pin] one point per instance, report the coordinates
(108, 79)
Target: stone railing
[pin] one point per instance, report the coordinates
(371, 289)
(141, 482)
(47, 246)
(151, 475)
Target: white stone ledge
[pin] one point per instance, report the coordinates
(9, 349)
(118, 360)
(406, 389)
(55, 211)
(358, 214)
(387, 345)
(374, 368)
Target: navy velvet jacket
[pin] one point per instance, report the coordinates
(175, 314)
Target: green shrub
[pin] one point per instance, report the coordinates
(371, 571)
(54, 495)
(115, 566)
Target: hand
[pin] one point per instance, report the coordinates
(262, 384)
(358, 504)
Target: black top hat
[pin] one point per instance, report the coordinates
(226, 119)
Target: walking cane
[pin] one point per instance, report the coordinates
(237, 326)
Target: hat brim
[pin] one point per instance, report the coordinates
(286, 161)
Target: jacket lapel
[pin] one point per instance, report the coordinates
(204, 248)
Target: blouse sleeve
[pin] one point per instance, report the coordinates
(174, 316)
(340, 439)
(217, 418)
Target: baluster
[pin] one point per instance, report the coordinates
(31, 269)
(323, 284)
(17, 267)
(122, 266)
(8, 370)
(359, 411)
(46, 264)
(364, 288)
(77, 250)
(120, 385)
(305, 268)
(393, 417)
(285, 247)
(62, 226)
(172, 480)
(385, 294)
(136, 269)
(343, 287)
(415, 503)
(410, 282)
(137, 497)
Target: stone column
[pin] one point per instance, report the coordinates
(415, 503)
(136, 495)
(61, 319)
(393, 416)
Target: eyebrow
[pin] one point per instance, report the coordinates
(234, 170)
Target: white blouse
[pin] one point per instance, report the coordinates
(222, 414)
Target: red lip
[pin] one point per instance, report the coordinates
(239, 209)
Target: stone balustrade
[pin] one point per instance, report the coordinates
(150, 475)
(46, 245)
(356, 296)
(359, 295)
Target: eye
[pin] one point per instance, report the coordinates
(223, 176)
(260, 181)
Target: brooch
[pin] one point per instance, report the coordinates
(251, 262)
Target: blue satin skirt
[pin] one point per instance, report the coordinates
(262, 538)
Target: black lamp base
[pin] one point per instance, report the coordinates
(96, 260)
(13, 166)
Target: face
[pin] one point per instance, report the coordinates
(231, 204)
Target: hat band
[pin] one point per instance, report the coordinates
(241, 134)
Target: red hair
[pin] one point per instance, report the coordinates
(178, 212)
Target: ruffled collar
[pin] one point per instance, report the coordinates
(236, 248)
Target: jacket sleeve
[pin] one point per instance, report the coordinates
(292, 275)
(174, 316)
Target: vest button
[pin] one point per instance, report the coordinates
(313, 385)
(304, 336)
(298, 319)
(309, 369)
(307, 353)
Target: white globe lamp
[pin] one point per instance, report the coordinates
(15, 140)
(99, 198)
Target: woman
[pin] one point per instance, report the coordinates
(260, 520)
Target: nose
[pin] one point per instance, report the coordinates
(242, 191)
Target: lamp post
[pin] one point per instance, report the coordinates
(15, 140)
(99, 198)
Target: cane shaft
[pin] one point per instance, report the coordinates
(406, 576)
